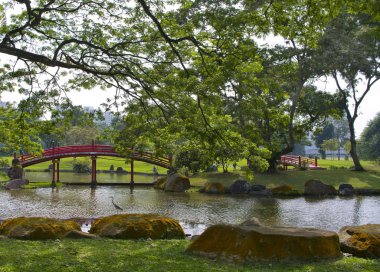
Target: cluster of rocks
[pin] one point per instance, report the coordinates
(121, 226)
(311, 188)
(248, 242)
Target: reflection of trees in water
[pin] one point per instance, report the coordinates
(92, 206)
(357, 207)
(266, 209)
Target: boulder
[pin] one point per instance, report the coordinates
(258, 243)
(212, 168)
(213, 188)
(317, 188)
(177, 183)
(159, 183)
(137, 226)
(361, 241)
(16, 184)
(259, 190)
(16, 172)
(239, 186)
(37, 228)
(284, 190)
(346, 190)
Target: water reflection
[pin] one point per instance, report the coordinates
(195, 211)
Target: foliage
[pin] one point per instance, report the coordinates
(369, 144)
(349, 53)
(81, 166)
(330, 144)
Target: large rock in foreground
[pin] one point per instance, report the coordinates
(16, 184)
(258, 243)
(137, 226)
(315, 187)
(37, 228)
(361, 241)
(177, 183)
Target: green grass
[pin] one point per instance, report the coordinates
(121, 255)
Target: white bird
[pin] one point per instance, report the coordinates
(115, 205)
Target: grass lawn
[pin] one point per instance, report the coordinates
(159, 255)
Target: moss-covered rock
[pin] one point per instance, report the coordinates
(315, 187)
(284, 190)
(137, 226)
(258, 243)
(213, 188)
(361, 241)
(37, 228)
(159, 183)
(177, 183)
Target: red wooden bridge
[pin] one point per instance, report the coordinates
(300, 162)
(56, 153)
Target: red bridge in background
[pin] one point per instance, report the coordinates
(301, 162)
(56, 153)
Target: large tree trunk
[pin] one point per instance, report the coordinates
(353, 152)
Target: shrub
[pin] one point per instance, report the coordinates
(81, 166)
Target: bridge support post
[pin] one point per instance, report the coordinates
(93, 171)
(132, 173)
(299, 161)
(53, 173)
(316, 162)
(58, 170)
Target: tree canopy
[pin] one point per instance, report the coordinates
(182, 72)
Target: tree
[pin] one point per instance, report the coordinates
(331, 145)
(350, 54)
(369, 144)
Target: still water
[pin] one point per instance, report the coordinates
(195, 211)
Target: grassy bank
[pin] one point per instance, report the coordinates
(120, 255)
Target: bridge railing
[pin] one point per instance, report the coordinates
(74, 150)
(299, 161)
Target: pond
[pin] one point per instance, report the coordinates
(194, 210)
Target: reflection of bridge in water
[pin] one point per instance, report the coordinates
(56, 153)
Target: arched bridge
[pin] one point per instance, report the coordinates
(56, 153)
(91, 150)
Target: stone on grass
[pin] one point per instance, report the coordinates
(37, 228)
(257, 243)
(346, 190)
(315, 187)
(16, 184)
(239, 186)
(177, 183)
(137, 226)
(361, 241)
(259, 190)
(213, 188)
(159, 183)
